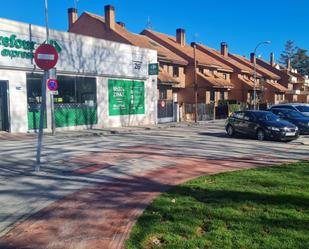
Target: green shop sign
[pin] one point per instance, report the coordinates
(19, 48)
(153, 69)
(126, 97)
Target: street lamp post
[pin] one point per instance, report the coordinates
(195, 83)
(254, 86)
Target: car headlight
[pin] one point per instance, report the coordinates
(296, 128)
(272, 128)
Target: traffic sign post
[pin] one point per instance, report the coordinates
(46, 58)
(52, 85)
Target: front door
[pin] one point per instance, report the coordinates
(4, 114)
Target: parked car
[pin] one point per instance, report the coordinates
(261, 125)
(297, 118)
(299, 107)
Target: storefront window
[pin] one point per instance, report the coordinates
(75, 103)
(76, 90)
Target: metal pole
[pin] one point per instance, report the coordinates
(43, 102)
(254, 85)
(42, 121)
(195, 83)
(46, 20)
(52, 106)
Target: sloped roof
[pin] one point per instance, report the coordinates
(227, 59)
(277, 86)
(143, 41)
(248, 82)
(259, 68)
(213, 80)
(186, 51)
(164, 77)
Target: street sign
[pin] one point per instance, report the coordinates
(54, 92)
(162, 103)
(52, 85)
(46, 56)
(153, 69)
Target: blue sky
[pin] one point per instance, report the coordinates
(240, 23)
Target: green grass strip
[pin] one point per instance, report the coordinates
(265, 208)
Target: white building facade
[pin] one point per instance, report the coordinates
(101, 83)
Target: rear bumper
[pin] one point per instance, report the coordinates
(304, 130)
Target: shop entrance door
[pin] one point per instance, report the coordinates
(4, 114)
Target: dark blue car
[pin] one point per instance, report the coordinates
(261, 125)
(297, 118)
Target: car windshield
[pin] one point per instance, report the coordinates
(266, 116)
(302, 108)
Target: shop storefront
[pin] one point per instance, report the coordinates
(101, 83)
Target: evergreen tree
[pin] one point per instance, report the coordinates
(300, 61)
(288, 52)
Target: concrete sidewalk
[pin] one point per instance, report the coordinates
(109, 131)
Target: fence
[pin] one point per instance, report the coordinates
(222, 111)
(205, 112)
(165, 111)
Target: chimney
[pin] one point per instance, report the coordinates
(224, 49)
(72, 15)
(289, 64)
(272, 59)
(110, 16)
(181, 36)
(252, 58)
(122, 24)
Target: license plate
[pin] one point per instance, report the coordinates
(290, 134)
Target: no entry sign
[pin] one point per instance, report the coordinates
(46, 56)
(52, 85)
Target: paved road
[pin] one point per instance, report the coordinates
(72, 163)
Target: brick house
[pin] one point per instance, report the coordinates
(213, 76)
(241, 77)
(297, 85)
(271, 91)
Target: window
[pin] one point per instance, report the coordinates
(222, 95)
(162, 94)
(249, 117)
(175, 71)
(238, 115)
(266, 116)
(71, 89)
(76, 90)
(34, 88)
(201, 70)
(75, 103)
(212, 95)
(302, 108)
(225, 76)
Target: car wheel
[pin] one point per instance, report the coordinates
(260, 135)
(230, 131)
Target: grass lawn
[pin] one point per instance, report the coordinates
(264, 208)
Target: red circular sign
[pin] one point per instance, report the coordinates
(162, 103)
(46, 56)
(52, 85)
